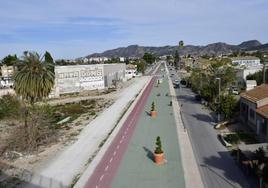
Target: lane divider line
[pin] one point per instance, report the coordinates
(106, 168)
(101, 177)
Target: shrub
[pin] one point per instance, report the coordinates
(153, 107)
(158, 149)
(9, 106)
(36, 133)
(232, 138)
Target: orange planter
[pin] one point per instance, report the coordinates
(159, 158)
(153, 114)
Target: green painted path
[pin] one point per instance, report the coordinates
(137, 168)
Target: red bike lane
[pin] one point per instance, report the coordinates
(104, 172)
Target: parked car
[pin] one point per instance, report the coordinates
(234, 91)
(176, 82)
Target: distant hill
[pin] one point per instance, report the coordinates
(210, 49)
(249, 44)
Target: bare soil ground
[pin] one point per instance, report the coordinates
(13, 164)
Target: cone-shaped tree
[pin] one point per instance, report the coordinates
(158, 149)
(153, 107)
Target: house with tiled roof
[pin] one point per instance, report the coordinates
(254, 110)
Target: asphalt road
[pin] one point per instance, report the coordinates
(217, 167)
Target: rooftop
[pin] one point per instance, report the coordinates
(256, 94)
(263, 111)
(245, 58)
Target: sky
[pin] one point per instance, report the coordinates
(76, 28)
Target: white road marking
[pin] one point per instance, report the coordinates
(117, 147)
(101, 177)
(111, 159)
(106, 168)
(121, 141)
(96, 186)
(114, 153)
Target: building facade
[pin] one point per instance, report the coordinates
(242, 73)
(254, 110)
(131, 71)
(113, 73)
(248, 61)
(79, 78)
(6, 79)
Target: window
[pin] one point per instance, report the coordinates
(263, 127)
(252, 114)
(243, 105)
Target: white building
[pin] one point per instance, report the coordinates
(245, 66)
(7, 73)
(248, 61)
(79, 78)
(242, 73)
(131, 71)
(250, 84)
(98, 59)
(85, 60)
(122, 59)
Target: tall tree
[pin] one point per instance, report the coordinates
(149, 58)
(181, 43)
(176, 56)
(176, 59)
(10, 60)
(228, 104)
(141, 66)
(35, 79)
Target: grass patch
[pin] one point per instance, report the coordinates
(10, 107)
(236, 138)
(73, 110)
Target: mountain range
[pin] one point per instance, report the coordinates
(210, 49)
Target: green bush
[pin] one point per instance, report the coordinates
(232, 138)
(9, 106)
(235, 138)
(158, 149)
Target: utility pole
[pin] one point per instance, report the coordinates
(264, 70)
(219, 104)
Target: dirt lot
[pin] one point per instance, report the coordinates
(14, 164)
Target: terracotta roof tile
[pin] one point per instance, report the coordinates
(263, 111)
(256, 94)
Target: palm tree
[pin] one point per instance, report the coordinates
(177, 56)
(181, 43)
(35, 79)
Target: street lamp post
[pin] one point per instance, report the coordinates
(219, 103)
(264, 70)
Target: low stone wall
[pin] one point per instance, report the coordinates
(6, 91)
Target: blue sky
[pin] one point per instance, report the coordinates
(75, 28)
